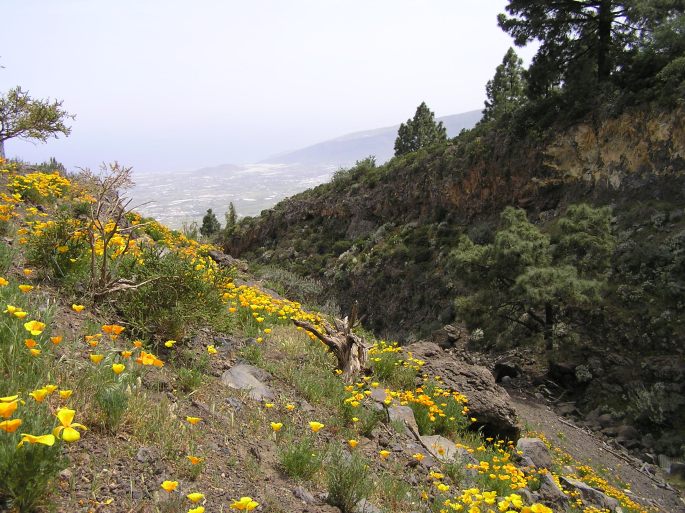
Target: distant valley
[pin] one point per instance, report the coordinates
(183, 197)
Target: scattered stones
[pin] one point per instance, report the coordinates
(405, 415)
(550, 492)
(567, 409)
(677, 469)
(535, 450)
(247, 377)
(364, 506)
(234, 403)
(144, 455)
(445, 450)
(489, 403)
(605, 420)
(589, 494)
(304, 495)
(228, 261)
(378, 394)
(505, 369)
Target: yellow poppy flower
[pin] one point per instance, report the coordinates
(55, 340)
(65, 394)
(211, 349)
(7, 409)
(67, 429)
(352, 443)
(199, 509)
(4, 282)
(27, 272)
(244, 504)
(40, 439)
(118, 368)
(34, 327)
(316, 426)
(193, 420)
(96, 358)
(30, 343)
(26, 288)
(10, 426)
(112, 329)
(290, 407)
(169, 486)
(35, 352)
(194, 460)
(8, 398)
(77, 308)
(276, 426)
(418, 456)
(39, 394)
(126, 354)
(267, 330)
(50, 388)
(195, 497)
(384, 454)
(169, 343)
(268, 405)
(20, 314)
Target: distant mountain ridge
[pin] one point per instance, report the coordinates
(166, 196)
(345, 150)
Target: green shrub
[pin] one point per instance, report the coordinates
(300, 458)
(448, 424)
(113, 402)
(55, 249)
(347, 480)
(109, 391)
(174, 298)
(7, 254)
(26, 472)
(189, 379)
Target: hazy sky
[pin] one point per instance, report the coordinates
(167, 85)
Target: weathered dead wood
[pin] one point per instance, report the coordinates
(349, 349)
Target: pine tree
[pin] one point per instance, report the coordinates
(507, 89)
(210, 224)
(582, 41)
(419, 132)
(231, 218)
(523, 280)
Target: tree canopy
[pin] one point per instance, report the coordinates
(507, 89)
(210, 224)
(529, 281)
(583, 40)
(28, 118)
(419, 132)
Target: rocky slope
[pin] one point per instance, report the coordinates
(240, 410)
(382, 236)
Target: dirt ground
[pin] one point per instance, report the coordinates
(586, 447)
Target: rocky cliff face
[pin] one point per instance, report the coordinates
(381, 236)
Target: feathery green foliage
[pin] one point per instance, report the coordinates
(27, 118)
(522, 280)
(419, 132)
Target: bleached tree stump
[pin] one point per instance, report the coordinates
(349, 349)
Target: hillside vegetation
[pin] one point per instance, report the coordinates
(117, 334)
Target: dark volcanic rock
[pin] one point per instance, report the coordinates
(488, 402)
